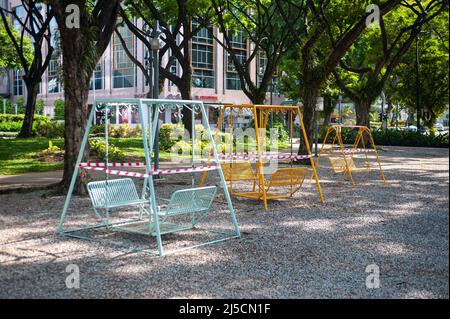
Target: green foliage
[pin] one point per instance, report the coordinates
(49, 129)
(10, 126)
(122, 131)
(19, 155)
(98, 148)
(376, 56)
(20, 105)
(433, 52)
(9, 59)
(42, 126)
(283, 131)
(400, 138)
(125, 131)
(169, 135)
(40, 107)
(10, 109)
(52, 148)
(59, 109)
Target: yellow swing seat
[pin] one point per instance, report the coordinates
(338, 165)
(282, 177)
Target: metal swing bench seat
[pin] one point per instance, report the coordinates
(122, 192)
(338, 164)
(282, 177)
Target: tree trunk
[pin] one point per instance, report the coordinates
(328, 110)
(27, 125)
(362, 108)
(76, 93)
(81, 47)
(390, 108)
(309, 107)
(185, 91)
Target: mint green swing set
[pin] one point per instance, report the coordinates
(194, 202)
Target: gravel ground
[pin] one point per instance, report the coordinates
(298, 248)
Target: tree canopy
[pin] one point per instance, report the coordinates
(9, 58)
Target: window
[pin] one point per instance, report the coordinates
(54, 83)
(173, 68)
(53, 78)
(123, 68)
(20, 13)
(203, 58)
(239, 47)
(262, 64)
(18, 83)
(97, 77)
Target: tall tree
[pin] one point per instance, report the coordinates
(259, 25)
(82, 46)
(34, 25)
(174, 18)
(9, 59)
(332, 27)
(369, 64)
(433, 53)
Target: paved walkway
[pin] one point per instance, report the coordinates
(29, 180)
(43, 179)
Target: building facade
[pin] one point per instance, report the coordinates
(214, 77)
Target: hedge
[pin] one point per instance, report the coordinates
(42, 126)
(400, 138)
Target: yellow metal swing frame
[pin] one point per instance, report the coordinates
(292, 177)
(345, 164)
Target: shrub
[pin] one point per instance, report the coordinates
(39, 106)
(283, 130)
(9, 108)
(52, 148)
(20, 105)
(169, 135)
(400, 138)
(10, 126)
(98, 148)
(49, 129)
(41, 126)
(123, 131)
(59, 109)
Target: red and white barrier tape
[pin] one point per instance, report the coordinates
(91, 164)
(358, 150)
(152, 173)
(264, 156)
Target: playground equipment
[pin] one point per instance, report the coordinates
(265, 185)
(116, 193)
(344, 163)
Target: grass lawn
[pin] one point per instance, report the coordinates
(16, 155)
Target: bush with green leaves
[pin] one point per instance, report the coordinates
(49, 129)
(20, 105)
(42, 126)
(9, 107)
(10, 126)
(40, 107)
(400, 138)
(122, 131)
(169, 135)
(59, 109)
(278, 124)
(98, 148)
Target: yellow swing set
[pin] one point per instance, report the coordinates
(344, 163)
(239, 168)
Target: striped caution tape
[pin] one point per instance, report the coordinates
(102, 168)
